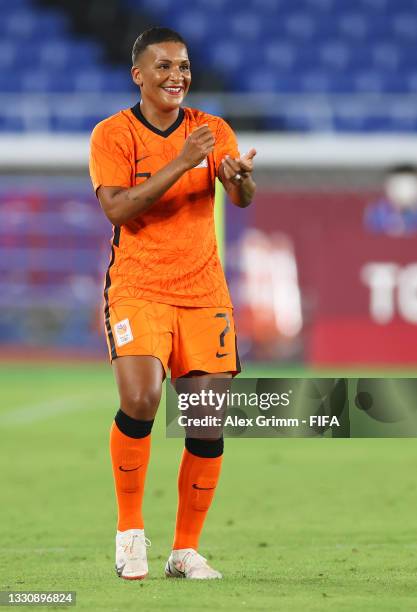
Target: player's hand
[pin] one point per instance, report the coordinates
(239, 169)
(197, 146)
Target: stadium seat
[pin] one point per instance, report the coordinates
(246, 25)
(405, 26)
(193, 25)
(280, 55)
(226, 56)
(11, 123)
(327, 47)
(9, 81)
(68, 53)
(333, 56)
(8, 54)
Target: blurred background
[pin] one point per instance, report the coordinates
(322, 269)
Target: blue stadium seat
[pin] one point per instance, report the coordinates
(360, 123)
(386, 56)
(266, 80)
(193, 25)
(395, 83)
(407, 55)
(24, 22)
(212, 9)
(400, 124)
(89, 79)
(405, 26)
(8, 54)
(342, 83)
(118, 79)
(307, 59)
(411, 82)
(225, 56)
(73, 123)
(306, 47)
(8, 7)
(9, 81)
(157, 7)
(11, 123)
(280, 55)
(321, 5)
(247, 25)
(369, 82)
(63, 53)
(270, 7)
(333, 55)
(353, 26)
(46, 80)
(300, 26)
(102, 79)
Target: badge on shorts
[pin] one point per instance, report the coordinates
(123, 332)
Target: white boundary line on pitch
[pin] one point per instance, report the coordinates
(37, 550)
(31, 413)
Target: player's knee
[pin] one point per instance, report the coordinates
(141, 404)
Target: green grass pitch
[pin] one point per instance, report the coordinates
(297, 524)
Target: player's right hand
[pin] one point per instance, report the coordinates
(197, 146)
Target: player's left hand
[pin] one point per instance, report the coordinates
(239, 169)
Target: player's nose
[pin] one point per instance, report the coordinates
(176, 75)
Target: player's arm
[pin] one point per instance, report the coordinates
(236, 176)
(123, 204)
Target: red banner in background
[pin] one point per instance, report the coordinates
(310, 281)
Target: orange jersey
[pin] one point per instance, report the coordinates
(167, 254)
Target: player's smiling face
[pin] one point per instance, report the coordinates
(163, 74)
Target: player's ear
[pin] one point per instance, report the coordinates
(137, 76)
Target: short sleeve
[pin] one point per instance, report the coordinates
(111, 151)
(226, 144)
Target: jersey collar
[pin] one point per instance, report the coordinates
(164, 133)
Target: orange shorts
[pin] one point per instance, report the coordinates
(184, 339)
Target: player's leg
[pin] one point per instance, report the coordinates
(139, 380)
(205, 351)
(143, 329)
(198, 477)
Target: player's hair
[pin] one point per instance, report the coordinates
(405, 168)
(154, 36)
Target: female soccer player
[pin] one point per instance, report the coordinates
(167, 306)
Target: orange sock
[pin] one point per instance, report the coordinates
(130, 458)
(197, 481)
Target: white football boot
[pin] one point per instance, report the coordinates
(187, 563)
(131, 561)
